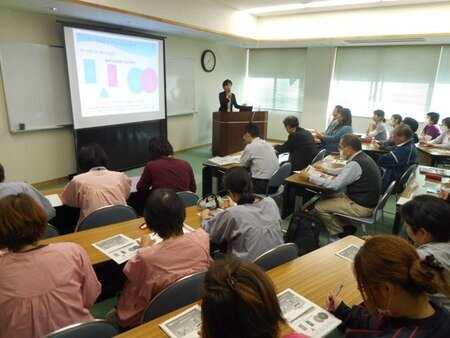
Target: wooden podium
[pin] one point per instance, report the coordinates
(228, 130)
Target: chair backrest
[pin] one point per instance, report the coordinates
(403, 181)
(51, 231)
(183, 292)
(107, 215)
(279, 255)
(320, 155)
(383, 200)
(188, 197)
(96, 328)
(279, 176)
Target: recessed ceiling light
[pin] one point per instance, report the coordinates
(53, 9)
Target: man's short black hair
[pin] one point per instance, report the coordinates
(430, 213)
(434, 117)
(291, 121)
(251, 129)
(350, 140)
(2, 173)
(227, 82)
(412, 123)
(91, 156)
(158, 147)
(404, 130)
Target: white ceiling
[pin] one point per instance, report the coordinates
(74, 11)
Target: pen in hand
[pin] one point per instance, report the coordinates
(331, 299)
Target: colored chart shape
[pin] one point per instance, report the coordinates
(149, 80)
(134, 80)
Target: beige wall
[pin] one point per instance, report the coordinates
(44, 155)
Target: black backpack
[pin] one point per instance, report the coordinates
(304, 230)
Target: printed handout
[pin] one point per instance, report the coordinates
(185, 325)
(348, 252)
(304, 316)
(119, 248)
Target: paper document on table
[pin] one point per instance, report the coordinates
(226, 159)
(304, 316)
(119, 248)
(316, 173)
(54, 200)
(432, 170)
(403, 200)
(134, 182)
(185, 325)
(349, 252)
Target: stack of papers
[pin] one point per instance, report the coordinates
(226, 160)
(301, 314)
(316, 173)
(432, 170)
(349, 252)
(54, 200)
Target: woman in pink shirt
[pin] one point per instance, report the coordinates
(96, 186)
(156, 266)
(42, 287)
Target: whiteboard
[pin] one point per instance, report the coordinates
(36, 86)
(179, 85)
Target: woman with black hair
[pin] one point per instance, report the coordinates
(330, 140)
(252, 227)
(377, 128)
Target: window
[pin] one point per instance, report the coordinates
(399, 80)
(276, 78)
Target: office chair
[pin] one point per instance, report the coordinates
(277, 256)
(51, 231)
(188, 197)
(403, 181)
(277, 180)
(377, 212)
(320, 155)
(184, 291)
(107, 215)
(96, 328)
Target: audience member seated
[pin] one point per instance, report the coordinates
(427, 218)
(239, 300)
(414, 125)
(250, 228)
(388, 144)
(42, 287)
(330, 140)
(431, 130)
(260, 157)
(334, 122)
(165, 171)
(13, 188)
(300, 144)
(360, 178)
(393, 282)
(96, 186)
(400, 158)
(377, 129)
(156, 266)
(443, 140)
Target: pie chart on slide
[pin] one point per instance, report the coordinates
(142, 80)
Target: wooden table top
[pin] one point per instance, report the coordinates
(129, 228)
(367, 146)
(434, 151)
(312, 276)
(416, 184)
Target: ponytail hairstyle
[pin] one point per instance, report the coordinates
(237, 180)
(380, 114)
(393, 259)
(239, 300)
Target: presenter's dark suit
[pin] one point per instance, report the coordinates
(301, 147)
(224, 102)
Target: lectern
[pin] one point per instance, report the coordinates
(228, 127)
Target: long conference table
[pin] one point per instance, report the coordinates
(312, 275)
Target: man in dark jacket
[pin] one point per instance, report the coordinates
(300, 144)
(400, 158)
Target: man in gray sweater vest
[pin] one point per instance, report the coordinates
(361, 180)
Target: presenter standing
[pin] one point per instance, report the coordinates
(227, 98)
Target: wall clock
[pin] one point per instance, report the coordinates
(208, 60)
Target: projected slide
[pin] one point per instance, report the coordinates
(118, 78)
